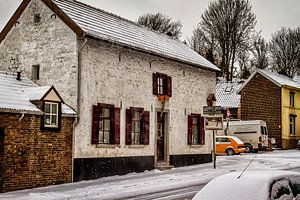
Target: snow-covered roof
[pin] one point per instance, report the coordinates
(278, 79)
(109, 27)
(16, 96)
(226, 93)
(36, 93)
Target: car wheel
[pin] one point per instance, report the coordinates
(230, 152)
(248, 148)
(255, 150)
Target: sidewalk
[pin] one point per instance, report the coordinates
(116, 187)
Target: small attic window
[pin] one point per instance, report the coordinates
(228, 89)
(37, 18)
(35, 72)
(51, 114)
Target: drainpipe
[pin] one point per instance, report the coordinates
(79, 81)
(76, 122)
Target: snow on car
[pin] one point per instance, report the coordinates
(255, 184)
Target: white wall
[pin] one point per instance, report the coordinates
(105, 79)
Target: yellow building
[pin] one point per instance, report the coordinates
(290, 116)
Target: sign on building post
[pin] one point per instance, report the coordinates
(213, 121)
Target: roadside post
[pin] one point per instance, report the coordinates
(227, 119)
(214, 122)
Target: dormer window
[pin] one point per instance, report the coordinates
(51, 114)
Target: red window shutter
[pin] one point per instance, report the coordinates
(128, 127)
(202, 131)
(155, 92)
(190, 129)
(146, 117)
(95, 124)
(112, 125)
(169, 85)
(117, 126)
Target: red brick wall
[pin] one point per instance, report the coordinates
(261, 100)
(32, 157)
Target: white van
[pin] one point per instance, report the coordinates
(253, 133)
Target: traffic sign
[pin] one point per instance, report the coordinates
(212, 110)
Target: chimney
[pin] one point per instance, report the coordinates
(19, 76)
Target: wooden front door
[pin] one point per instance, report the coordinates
(160, 136)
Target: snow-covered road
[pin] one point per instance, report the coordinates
(155, 182)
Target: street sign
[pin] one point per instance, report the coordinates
(214, 122)
(212, 110)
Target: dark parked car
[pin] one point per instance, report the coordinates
(298, 145)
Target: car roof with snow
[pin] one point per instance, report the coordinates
(252, 184)
(238, 140)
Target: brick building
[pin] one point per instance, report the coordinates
(35, 135)
(138, 94)
(275, 99)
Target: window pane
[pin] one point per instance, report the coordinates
(47, 108)
(135, 115)
(195, 130)
(101, 136)
(101, 125)
(53, 119)
(47, 120)
(106, 137)
(195, 139)
(137, 127)
(105, 112)
(195, 121)
(106, 124)
(135, 138)
(54, 108)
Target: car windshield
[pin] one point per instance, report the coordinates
(238, 140)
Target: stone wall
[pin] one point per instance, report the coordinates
(123, 77)
(261, 100)
(33, 158)
(49, 43)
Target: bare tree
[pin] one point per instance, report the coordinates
(243, 63)
(161, 23)
(230, 23)
(259, 52)
(204, 44)
(285, 51)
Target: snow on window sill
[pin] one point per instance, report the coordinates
(136, 146)
(196, 145)
(107, 145)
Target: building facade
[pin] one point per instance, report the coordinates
(36, 131)
(273, 98)
(138, 94)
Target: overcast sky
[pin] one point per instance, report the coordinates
(271, 14)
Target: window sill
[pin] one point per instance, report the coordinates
(137, 146)
(196, 145)
(107, 146)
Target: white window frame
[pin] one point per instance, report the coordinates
(51, 114)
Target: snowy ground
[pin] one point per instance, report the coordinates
(121, 187)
